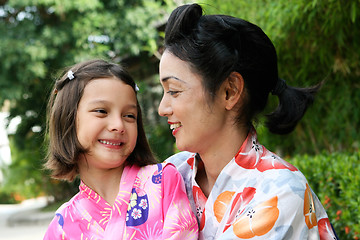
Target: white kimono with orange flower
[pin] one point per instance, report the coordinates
(256, 196)
(151, 204)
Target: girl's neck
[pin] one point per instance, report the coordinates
(104, 182)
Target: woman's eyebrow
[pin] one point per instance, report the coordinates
(171, 77)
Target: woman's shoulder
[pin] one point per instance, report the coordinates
(183, 161)
(180, 158)
(265, 170)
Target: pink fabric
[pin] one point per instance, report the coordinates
(151, 204)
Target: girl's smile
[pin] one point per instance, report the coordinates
(112, 143)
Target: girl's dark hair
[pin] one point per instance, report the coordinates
(64, 147)
(217, 45)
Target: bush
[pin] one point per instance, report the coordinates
(6, 198)
(335, 179)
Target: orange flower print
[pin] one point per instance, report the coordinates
(221, 204)
(309, 209)
(257, 221)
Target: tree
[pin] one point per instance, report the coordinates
(38, 38)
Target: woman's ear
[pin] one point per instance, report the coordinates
(233, 87)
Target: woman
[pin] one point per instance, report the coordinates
(217, 72)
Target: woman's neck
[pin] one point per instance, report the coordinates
(217, 157)
(104, 182)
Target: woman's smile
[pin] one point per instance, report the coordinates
(175, 127)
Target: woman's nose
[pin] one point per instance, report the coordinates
(164, 107)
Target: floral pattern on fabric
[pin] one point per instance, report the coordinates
(254, 158)
(201, 200)
(257, 221)
(325, 230)
(221, 204)
(138, 210)
(309, 210)
(156, 209)
(257, 195)
(239, 204)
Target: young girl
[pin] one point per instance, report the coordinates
(96, 132)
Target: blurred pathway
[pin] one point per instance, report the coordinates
(24, 221)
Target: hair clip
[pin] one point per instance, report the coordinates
(70, 75)
(136, 88)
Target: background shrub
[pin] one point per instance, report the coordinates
(336, 181)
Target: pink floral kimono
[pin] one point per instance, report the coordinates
(151, 204)
(256, 196)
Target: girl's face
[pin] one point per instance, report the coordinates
(196, 124)
(106, 123)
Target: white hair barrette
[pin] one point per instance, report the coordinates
(136, 88)
(70, 75)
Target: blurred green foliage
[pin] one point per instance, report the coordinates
(38, 39)
(335, 178)
(316, 40)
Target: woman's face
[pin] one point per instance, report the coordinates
(196, 123)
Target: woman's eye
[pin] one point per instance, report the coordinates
(172, 93)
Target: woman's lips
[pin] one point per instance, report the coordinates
(175, 127)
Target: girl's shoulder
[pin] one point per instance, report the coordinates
(157, 169)
(65, 207)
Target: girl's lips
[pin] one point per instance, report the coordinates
(111, 143)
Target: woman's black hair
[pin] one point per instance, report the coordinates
(217, 45)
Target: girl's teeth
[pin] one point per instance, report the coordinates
(175, 125)
(109, 143)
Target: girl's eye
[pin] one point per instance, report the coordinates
(131, 116)
(102, 111)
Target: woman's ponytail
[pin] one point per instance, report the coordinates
(293, 103)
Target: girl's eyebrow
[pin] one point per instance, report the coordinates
(130, 105)
(98, 101)
(171, 77)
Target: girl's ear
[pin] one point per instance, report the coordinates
(233, 87)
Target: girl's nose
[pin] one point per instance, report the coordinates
(164, 107)
(116, 124)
